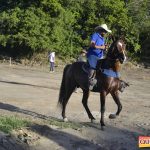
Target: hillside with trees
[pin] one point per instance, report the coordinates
(30, 27)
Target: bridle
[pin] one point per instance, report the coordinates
(114, 53)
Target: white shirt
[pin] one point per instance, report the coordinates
(52, 57)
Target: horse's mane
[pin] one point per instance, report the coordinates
(112, 50)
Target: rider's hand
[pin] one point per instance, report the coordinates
(106, 46)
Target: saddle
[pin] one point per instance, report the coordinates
(86, 67)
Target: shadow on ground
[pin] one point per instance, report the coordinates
(26, 84)
(112, 138)
(8, 142)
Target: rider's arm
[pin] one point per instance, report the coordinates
(97, 47)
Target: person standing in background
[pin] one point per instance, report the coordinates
(82, 57)
(51, 57)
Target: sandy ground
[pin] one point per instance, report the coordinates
(33, 92)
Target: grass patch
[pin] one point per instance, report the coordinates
(7, 124)
(62, 124)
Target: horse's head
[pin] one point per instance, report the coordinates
(116, 50)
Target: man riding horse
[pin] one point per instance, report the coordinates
(96, 52)
(107, 75)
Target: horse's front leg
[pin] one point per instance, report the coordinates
(116, 98)
(85, 104)
(102, 100)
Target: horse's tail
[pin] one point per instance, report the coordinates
(63, 86)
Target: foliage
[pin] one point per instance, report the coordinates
(62, 124)
(64, 26)
(7, 124)
(140, 13)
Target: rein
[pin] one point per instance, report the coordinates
(114, 57)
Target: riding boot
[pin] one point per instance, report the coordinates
(92, 80)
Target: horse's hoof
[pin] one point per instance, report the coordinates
(102, 125)
(65, 120)
(112, 116)
(102, 128)
(93, 120)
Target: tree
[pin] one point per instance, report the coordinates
(140, 13)
(34, 26)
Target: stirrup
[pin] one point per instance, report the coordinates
(92, 82)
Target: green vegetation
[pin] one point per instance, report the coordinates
(32, 26)
(62, 124)
(7, 124)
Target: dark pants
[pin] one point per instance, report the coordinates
(51, 66)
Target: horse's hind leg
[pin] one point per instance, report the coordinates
(68, 93)
(115, 96)
(84, 102)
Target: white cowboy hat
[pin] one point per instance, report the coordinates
(103, 26)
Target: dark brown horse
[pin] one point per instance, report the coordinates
(75, 76)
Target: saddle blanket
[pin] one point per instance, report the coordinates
(111, 73)
(107, 72)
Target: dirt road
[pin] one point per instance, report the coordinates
(33, 92)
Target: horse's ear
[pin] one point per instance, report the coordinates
(112, 37)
